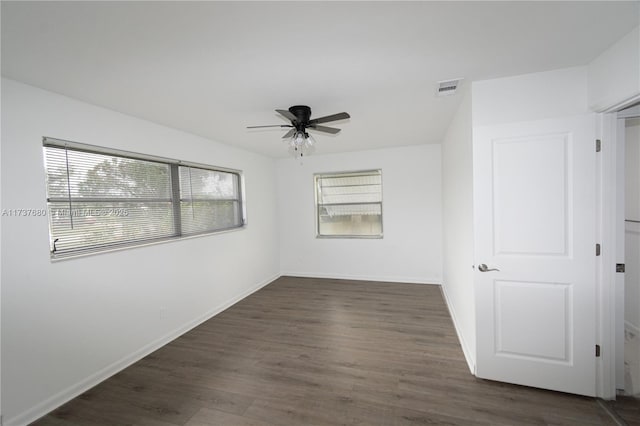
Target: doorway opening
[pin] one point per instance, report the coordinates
(632, 252)
(627, 266)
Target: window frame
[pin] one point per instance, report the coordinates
(175, 199)
(180, 198)
(317, 205)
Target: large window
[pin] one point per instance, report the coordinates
(99, 199)
(349, 204)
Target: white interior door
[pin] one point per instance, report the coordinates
(534, 219)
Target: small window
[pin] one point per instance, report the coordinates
(349, 204)
(209, 200)
(99, 199)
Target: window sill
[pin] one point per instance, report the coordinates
(63, 257)
(349, 237)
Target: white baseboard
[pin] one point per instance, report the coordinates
(72, 391)
(392, 279)
(468, 354)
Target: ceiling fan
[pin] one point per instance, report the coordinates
(300, 117)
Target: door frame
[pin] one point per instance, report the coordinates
(608, 131)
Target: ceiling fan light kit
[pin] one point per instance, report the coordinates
(301, 144)
(299, 141)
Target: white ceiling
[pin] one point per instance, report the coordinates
(213, 68)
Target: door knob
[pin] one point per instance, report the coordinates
(484, 268)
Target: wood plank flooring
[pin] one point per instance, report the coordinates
(628, 408)
(305, 351)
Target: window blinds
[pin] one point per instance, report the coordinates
(209, 199)
(99, 200)
(349, 204)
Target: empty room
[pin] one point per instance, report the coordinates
(320, 213)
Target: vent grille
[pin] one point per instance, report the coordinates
(448, 87)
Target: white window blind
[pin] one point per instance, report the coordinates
(99, 200)
(349, 204)
(209, 200)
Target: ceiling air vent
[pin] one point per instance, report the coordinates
(448, 87)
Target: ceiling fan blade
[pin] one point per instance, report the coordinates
(287, 115)
(270, 125)
(333, 117)
(325, 129)
(289, 134)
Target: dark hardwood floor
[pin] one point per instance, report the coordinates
(307, 351)
(627, 408)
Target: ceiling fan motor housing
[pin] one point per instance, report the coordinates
(303, 114)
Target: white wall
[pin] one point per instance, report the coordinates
(457, 226)
(614, 76)
(632, 230)
(67, 325)
(411, 248)
(530, 97)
